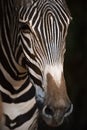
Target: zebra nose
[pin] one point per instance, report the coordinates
(48, 111)
(63, 111)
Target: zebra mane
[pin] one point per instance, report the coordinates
(19, 3)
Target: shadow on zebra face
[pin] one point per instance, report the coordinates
(44, 27)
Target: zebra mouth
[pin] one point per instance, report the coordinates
(53, 118)
(48, 116)
(53, 122)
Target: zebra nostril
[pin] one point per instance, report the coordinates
(48, 111)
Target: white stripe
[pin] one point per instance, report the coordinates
(16, 95)
(16, 84)
(30, 59)
(26, 125)
(35, 74)
(18, 67)
(14, 110)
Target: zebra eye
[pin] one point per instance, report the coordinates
(24, 27)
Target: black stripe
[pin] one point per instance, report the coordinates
(8, 54)
(31, 11)
(35, 17)
(36, 81)
(20, 119)
(33, 67)
(23, 98)
(27, 30)
(22, 12)
(27, 51)
(8, 46)
(6, 65)
(19, 52)
(8, 68)
(6, 85)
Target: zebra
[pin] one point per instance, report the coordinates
(32, 44)
(18, 94)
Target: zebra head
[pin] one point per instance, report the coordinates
(44, 25)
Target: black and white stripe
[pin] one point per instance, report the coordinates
(18, 94)
(31, 36)
(43, 29)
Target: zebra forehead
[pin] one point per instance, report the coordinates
(32, 9)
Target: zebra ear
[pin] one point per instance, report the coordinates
(66, 8)
(24, 26)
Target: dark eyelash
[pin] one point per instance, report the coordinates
(24, 26)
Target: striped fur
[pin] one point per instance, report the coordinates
(32, 34)
(43, 31)
(43, 26)
(17, 92)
